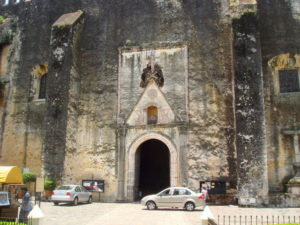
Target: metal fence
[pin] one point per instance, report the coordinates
(256, 220)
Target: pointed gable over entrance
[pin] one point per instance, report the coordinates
(151, 108)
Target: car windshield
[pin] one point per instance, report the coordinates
(65, 187)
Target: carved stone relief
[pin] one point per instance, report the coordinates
(152, 73)
(140, 117)
(164, 116)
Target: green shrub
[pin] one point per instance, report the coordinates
(10, 223)
(290, 224)
(50, 184)
(1, 19)
(28, 177)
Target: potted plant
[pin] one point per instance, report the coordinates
(29, 179)
(49, 186)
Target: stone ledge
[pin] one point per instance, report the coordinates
(68, 19)
(284, 200)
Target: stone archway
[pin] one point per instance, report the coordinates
(152, 169)
(131, 162)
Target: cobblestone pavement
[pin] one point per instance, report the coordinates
(135, 214)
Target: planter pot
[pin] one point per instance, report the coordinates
(48, 193)
(31, 186)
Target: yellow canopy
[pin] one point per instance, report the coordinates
(10, 175)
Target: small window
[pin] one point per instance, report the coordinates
(83, 189)
(77, 189)
(39, 82)
(288, 81)
(182, 192)
(152, 115)
(43, 83)
(65, 187)
(188, 193)
(176, 192)
(165, 193)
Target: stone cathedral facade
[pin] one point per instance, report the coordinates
(146, 94)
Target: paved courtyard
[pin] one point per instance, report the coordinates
(135, 214)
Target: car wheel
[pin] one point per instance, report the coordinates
(151, 205)
(75, 202)
(90, 200)
(189, 206)
(56, 203)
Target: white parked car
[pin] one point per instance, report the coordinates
(71, 194)
(174, 197)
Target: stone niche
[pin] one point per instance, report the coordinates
(37, 74)
(169, 71)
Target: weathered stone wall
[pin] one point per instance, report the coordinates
(210, 135)
(249, 102)
(284, 109)
(109, 26)
(91, 142)
(64, 36)
(280, 43)
(8, 140)
(21, 120)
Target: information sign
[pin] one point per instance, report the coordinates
(4, 198)
(39, 184)
(93, 185)
(214, 187)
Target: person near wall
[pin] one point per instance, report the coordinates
(25, 205)
(204, 194)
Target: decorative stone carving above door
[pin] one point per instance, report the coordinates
(167, 68)
(152, 103)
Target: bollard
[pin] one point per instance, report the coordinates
(35, 215)
(206, 215)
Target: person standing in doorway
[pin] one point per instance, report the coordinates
(204, 194)
(25, 205)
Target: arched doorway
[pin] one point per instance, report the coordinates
(133, 163)
(152, 167)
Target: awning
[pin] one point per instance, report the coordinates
(10, 175)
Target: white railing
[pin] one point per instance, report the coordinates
(256, 220)
(11, 2)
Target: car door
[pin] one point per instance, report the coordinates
(78, 193)
(85, 194)
(163, 199)
(178, 197)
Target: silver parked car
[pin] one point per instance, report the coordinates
(71, 194)
(174, 197)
